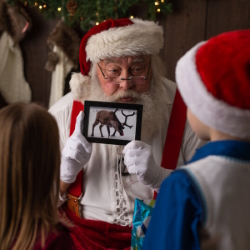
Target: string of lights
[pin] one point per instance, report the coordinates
(87, 13)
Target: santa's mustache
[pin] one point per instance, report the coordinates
(127, 94)
(96, 92)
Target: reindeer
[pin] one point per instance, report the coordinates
(109, 119)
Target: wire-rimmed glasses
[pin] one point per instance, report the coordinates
(135, 80)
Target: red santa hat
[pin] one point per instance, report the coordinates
(116, 38)
(214, 81)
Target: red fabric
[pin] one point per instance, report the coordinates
(174, 134)
(57, 240)
(97, 235)
(76, 187)
(85, 65)
(224, 66)
(77, 107)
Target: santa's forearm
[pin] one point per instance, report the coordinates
(62, 193)
(63, 187)
(163, 174)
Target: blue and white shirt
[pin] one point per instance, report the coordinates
(206, 204)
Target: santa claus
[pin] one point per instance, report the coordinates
(120, 62)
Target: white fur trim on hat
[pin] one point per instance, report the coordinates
(78, 84)
(142, 37)
(211, 111)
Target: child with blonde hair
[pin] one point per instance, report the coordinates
(29, 180)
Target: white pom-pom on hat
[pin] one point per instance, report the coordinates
(78, 84)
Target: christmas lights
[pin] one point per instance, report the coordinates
(87, 13)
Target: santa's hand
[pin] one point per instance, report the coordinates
(75, 154)
(139, 160)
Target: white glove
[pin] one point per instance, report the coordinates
(76, 153)
(139, 160)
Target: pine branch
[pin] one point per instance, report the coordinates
(87, 13)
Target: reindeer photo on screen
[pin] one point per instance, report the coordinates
(112, 123)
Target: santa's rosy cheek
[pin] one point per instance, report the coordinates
(110, 89)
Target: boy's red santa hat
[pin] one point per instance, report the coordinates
(214, 81)
(116, 38)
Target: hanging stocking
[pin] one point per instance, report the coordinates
(14, 23)
(13, 86)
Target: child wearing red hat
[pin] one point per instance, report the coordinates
(205, 205)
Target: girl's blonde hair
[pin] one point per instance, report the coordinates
(29, 175)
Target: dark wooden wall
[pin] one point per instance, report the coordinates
(191, 22)
(196, 20)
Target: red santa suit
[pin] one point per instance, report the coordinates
(109, 196)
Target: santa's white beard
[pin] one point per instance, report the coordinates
(154, 105)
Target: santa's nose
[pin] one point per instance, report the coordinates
(125, 83)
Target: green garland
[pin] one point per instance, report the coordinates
(87, 13)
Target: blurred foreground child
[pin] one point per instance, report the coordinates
(206, 204)
(29, 180)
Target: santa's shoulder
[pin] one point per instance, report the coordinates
(169, 90)
(63, 105)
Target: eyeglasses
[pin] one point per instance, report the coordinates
(114, 77)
